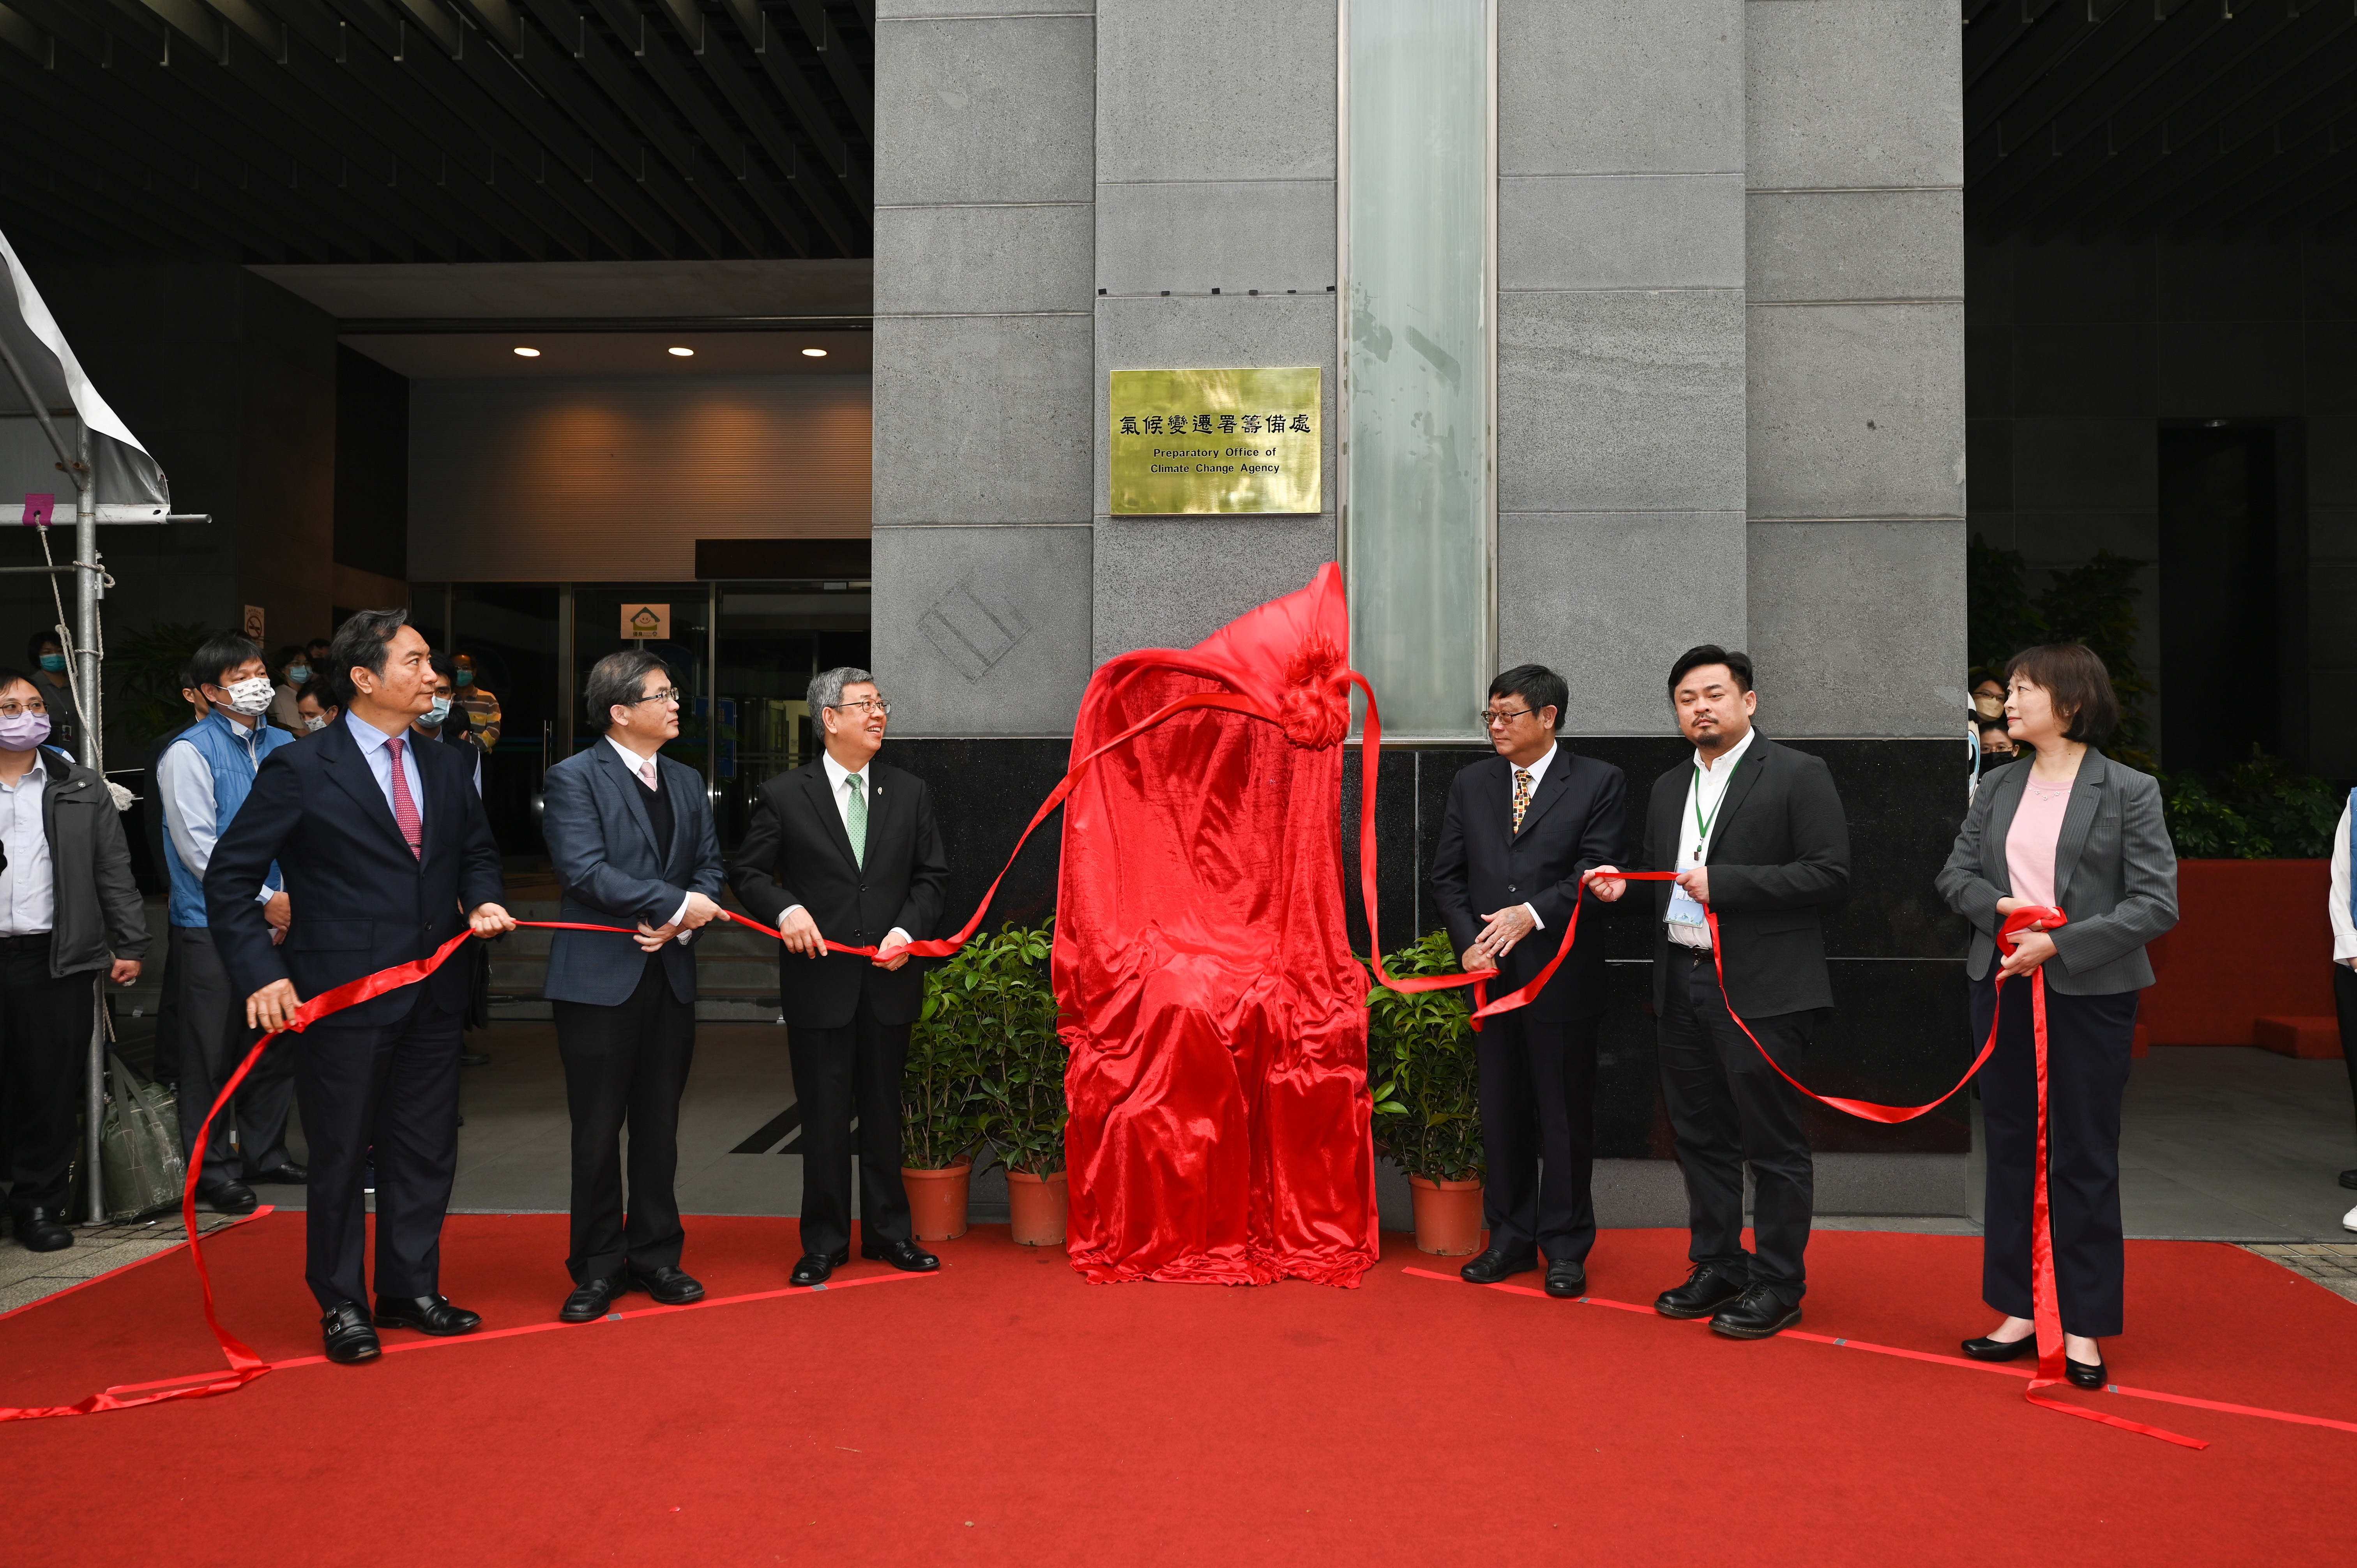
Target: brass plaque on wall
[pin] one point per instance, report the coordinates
(1208, 441)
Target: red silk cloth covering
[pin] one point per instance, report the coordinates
(1217, 1021)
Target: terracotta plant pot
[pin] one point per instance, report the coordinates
(937, 1200)
(1036, 1206)
(1447, 1217)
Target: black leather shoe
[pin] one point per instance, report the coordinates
(427, 1314)
(1758, 1315)
(588, 1301)
(815, 1267)
(41, 1230)
(1567, 1279)
(2001, 1349)
(288, 1175)
(1496, 1264)
(474, 1058)
(1708, 1287)
(905, 1256)
(670, 1287)
(2349, 1178)
(351, 1337)
(227, 1197)
(2083, 1376)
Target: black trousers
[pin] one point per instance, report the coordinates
(840, 1073)
(2344, 1001)
(2087, 1039)
(209, 1021)
(394, 1087)
(626, 1064)
(1730, 1109)
(1538, 1133)
(45, 1025)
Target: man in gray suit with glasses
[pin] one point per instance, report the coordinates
(632, 836)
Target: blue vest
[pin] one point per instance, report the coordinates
(220, 743)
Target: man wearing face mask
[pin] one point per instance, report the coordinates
(445, 720)
(44, 653)
(67, 907)
(202, 779)
(316, 710)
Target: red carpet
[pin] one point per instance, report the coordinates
(1006, 1411)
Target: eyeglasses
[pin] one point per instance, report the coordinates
(17, 710)
(671, 695)
(883, 709)
(1491, 716)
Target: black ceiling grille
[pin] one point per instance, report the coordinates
(2136, 117)
(437, 130)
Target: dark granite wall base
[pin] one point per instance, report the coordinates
(1897, 1036)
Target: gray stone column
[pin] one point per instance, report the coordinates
(985, 173)
(1621, 344)
(1855, 174)
(1215, 167)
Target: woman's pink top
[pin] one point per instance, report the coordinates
(2030, 843)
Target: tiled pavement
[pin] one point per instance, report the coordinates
(2332, 1264)
(27, 1277)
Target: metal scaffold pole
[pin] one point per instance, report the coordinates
(89, 579)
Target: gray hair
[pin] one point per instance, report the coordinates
(619, 680)
(826, 687)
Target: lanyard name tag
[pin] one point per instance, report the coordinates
(1684, 910)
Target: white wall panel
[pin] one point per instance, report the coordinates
(589, 481)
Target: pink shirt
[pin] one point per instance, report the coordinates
(2030, 843)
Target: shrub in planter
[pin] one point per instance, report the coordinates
(940, 1102)
(1020, 1080)
(1427, 1113)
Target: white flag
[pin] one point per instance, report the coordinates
(131, 484)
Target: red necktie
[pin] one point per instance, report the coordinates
(405, 808)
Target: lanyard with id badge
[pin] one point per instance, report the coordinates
(1684, 910)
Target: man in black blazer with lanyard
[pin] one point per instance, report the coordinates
(631, 834)
(1755, 834)
(1520, 830)
(386, 856)
(845, 849)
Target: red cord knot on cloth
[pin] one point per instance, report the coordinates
(1315, 710)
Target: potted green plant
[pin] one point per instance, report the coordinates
(1427, 1114)
(941, 1106)
(1021, 1081)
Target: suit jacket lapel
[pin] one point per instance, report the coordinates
(353, 773)
(830, 815)
(679, 778)
(2078, 818)
(1551, 789)
(633, 803)
(1747, 768)
(2002, 806)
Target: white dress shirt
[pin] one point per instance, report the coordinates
(1706, 793)
(380, 762)
(2344, 930)
(1537, 770)
(639, 768)
(838, 785)
(185, 779)
(28, 886)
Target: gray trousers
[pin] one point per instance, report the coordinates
(213, 1039)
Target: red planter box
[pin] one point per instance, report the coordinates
(2252, 942)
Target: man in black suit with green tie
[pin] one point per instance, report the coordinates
(845, 849)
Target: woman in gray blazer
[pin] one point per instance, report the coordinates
(2075, 829)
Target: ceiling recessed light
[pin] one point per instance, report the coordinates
(527, 353)
(683, 353)
(813, 354)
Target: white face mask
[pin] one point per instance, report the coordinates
(251, 697)
(314, 722)
(433, 716)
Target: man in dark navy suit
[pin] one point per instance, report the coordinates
(386, 856)
(632, 836)
(1520, 830)
(845, 849)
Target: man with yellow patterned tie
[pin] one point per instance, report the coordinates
(1521, 829)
